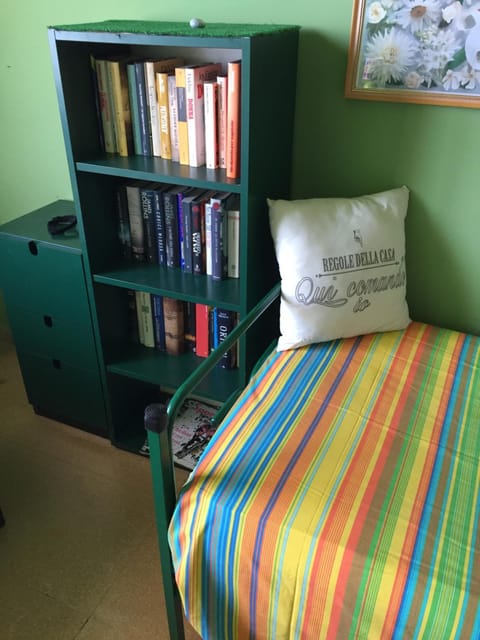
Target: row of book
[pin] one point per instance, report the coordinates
(190, 228)
(174, 326)
(188, 113)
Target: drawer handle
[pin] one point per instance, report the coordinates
(56, 364)
(48, 320)
(32, 245)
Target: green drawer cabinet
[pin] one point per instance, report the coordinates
(43, 283)
(133, 374)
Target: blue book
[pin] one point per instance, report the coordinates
(158, 322)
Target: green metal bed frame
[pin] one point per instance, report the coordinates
(159, 419)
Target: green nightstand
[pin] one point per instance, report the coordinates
(43, 282)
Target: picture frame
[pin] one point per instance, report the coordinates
(425, 52)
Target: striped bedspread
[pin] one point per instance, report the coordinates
(340, 496)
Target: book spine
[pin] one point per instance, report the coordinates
(132, 92)
(211, 119)
(123, 222)
(146, 317)
(164, 116)
(173, 116)
(159, 218)
(143, 110)
(187, 235)
(208, 237)
(158, 322)
(222, 120)
(225, 322)
(190, 326)
(219, 240)
(132, 317)
(233, 241)
(122, 120)
(233, 119)
(136, 222)
(198, 253)
(152, 103)
(182, 116)
(140, 325)
(202, 329)
(149, 231)
(174, 326)
(172, 249)
(105, 106)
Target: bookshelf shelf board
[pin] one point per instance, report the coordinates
(149, 365)
(159, 170)
(194, 288)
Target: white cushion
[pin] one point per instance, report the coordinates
(342, 266)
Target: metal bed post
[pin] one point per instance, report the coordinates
(159, 420)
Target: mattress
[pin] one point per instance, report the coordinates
(340, 496)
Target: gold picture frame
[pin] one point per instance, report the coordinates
(425, 51)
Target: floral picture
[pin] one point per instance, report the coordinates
(415, 51)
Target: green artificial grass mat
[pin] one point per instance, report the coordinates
(217, 29)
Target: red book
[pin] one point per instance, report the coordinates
(202, 327)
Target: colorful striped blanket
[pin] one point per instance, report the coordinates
(340, 496)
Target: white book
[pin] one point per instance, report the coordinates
(208, 238)
(211, 117)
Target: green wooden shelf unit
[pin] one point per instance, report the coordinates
(132, 374)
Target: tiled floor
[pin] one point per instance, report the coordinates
(78, 554)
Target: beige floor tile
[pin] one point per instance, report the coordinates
(78, 556)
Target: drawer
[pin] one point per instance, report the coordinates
(53, 336)
(66, 393)
(42, 276)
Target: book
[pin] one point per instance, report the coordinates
(134, 108)
(222, 96)
(172, 245)
(122, 121)
(191, 200)
(93, 75)
(105, 105)
(202, 329)
(158, 322)
(208, 237)
(143, 116)
(182, 125)
(195, 76)
(152, 67)
(234, 69)
(164, 114)
(174, 326)
(190, 326)
(138, 309)
(233, 237)
(147, 195)
(173, 116)
(219, 234)
(224, 324)
(193, 428)
(211, 124)
(145, 319)
(181, 194)
(123, 222)
(132, 319)
(135, 218)
(159, 217)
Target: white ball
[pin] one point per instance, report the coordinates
(196, 23)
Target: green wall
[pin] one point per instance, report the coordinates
(342, 147)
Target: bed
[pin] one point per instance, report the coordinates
(339, 497)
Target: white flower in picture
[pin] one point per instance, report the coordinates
(472, 48)
(417, 16)
(470, 78)
(389, 55)
(376, 13)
